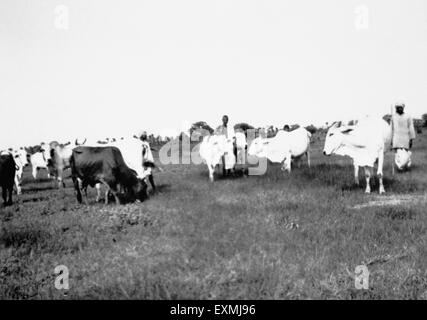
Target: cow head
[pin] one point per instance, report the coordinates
(139, 190)
(21, 156)
(219, 146)
(335, 138)
(45, 150)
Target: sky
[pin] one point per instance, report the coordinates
(101, 68)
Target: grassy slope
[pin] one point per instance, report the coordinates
(234, 239)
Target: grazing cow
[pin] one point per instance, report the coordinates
(130, 149)
(136, 154)
(213, 148)
(93, 165)
(7, 176)
(364, 143)
(284, 147)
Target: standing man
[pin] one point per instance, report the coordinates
(229, 133)
(147, 159)
(403, 134)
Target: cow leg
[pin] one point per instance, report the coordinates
(77, 189)
(34, 172)
(356, 175)
(116, 197)
(18, 184)
(86, 198)
(10, 191)
(98, 192)
(368, 179)
(380, 178)
(60, 181)
(308, 158)
(113, 191)
(297, 162)
(380, 171)
(107, 193)
(211, 172)
(4, 195)
(151, 179)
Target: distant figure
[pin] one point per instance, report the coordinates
(148, 160)
(228, 131)
(403, 136)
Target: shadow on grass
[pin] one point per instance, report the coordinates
(162, 188)
(36, 188)
(16, 237)
(396, 213)
(30, 238)
(35, 199)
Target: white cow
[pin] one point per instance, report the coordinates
(284, 147)
(21, 161)
(135, 153)
(38, 161)
(59, 156)
(212, 149)
(364, 143)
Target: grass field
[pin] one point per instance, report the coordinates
(276, 236)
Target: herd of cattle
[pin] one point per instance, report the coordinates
(116, 164)
(123, 166)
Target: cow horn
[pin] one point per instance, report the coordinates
(346, 130)
(335, 124)
(79, 144)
